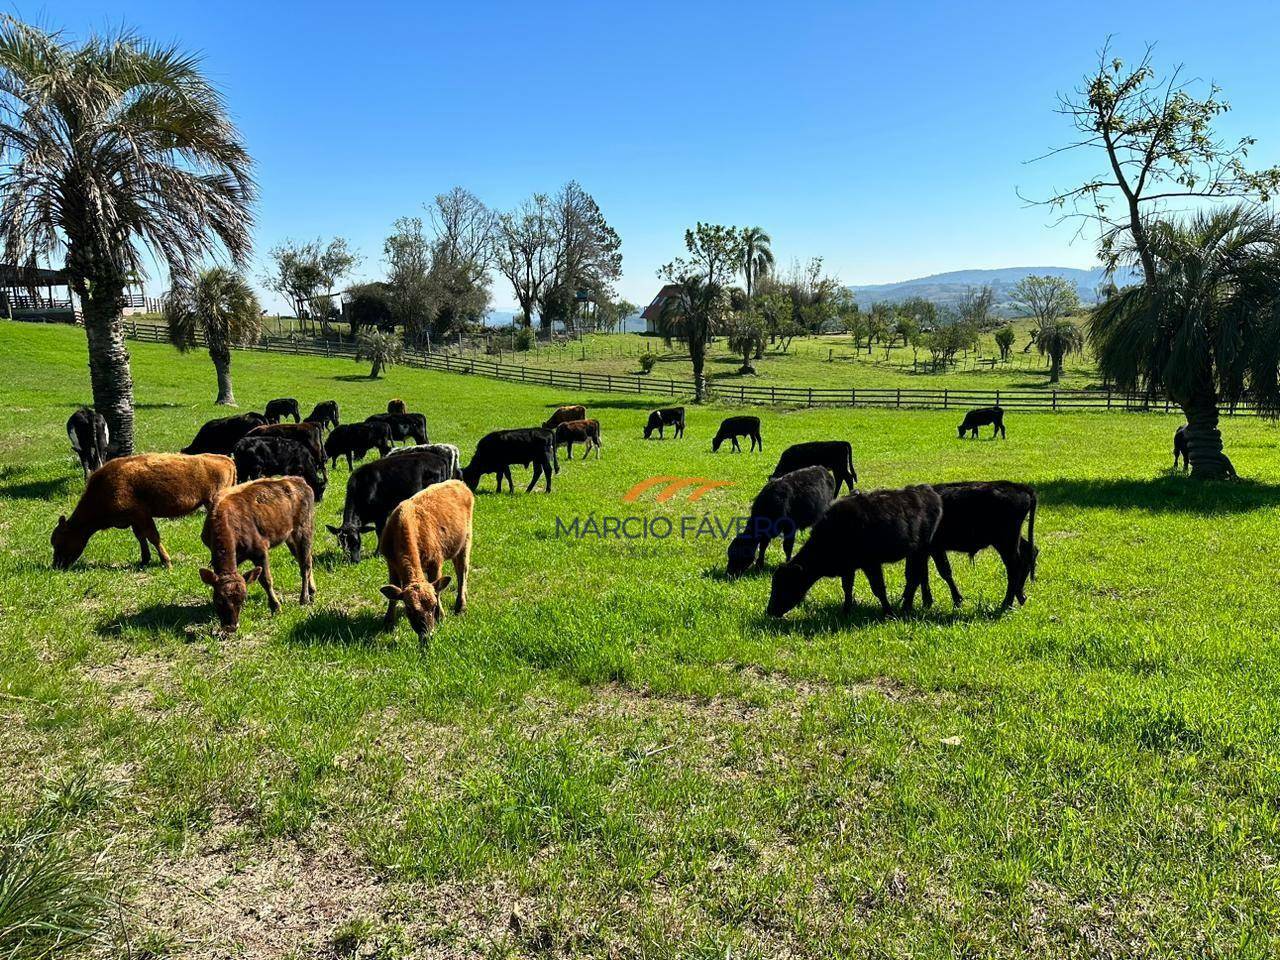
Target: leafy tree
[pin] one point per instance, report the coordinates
(591, 257)
(1207, 330)
(757, 255)
(369, 305)
(110, 150)
(975, 306)
(693, 315)
(380, 348)
(302, 272)
(879, 323)
(219, 305)
(1056, 339)
(714, 253)
(1004, 340)
(407, 252)
(746, 333)
(611, 314)
(905, 326)
(1046, 298)
(923, 312)
(1159, 145)
(527, 251)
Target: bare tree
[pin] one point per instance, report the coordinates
(464, 228)
(528, 251)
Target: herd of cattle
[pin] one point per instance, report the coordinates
(259, 476)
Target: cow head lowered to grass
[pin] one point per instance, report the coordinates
(230, 591)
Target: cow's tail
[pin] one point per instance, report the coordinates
(1031, 533)
(853, 471)
(555, 455)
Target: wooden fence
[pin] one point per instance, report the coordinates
(890, 397)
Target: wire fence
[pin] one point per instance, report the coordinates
(1056, 401)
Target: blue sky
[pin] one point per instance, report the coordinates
(887, 137)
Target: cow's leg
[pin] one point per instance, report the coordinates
(546, 473)
(788, 542)
(763, 546)
(875, 577)
(264, 560)
(943, 563)
(537, 472)
(389, 620)
(1012, 568)
(569, 455)
(305, 567)
(917, 569)
(846, 581)
(461, 564)
(139, 531)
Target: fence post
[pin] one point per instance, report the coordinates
(898, 403)
(944, 399)
(997, 398)
(1108, 398)
(1055, 401)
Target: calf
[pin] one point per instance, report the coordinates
(221, 435)
(863, 532)
(277, 457)
(355, 440)
(308, 434)
(132, 492)
(497, 451)
(985, 514)
(377, 488)
(981, 417)
(244, 524)
(731, 428)
(575, 411)
(666, 417)
(834, 455)
(89, 436)
(280, 408)
(404, 426)
(396, 406)
(421, 534)
(791, 502)
(324, 413)
(585, 432)
(1179, 447)
(444, 449)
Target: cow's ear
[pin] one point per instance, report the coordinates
(332, 529)
(252, 576)
(62, 519)
(392, 592)
(208, 576)
(442, 583)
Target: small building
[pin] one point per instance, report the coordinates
(33, 293)
(654, 310)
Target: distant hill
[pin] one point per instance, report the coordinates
(503, 318)
(949, 288)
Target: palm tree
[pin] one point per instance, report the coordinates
(693, 315)
(1206, 330)
(220, 305)
(757, 256)
(380, 348)
(109, 150)
(1057, 338)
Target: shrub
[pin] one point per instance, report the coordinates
(647, 361)
(523, 340)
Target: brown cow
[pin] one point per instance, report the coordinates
(133, 492)
(244, 524)
(564, 414)
(396, 406)
(586, 432)
(431, 527)
(310, 435)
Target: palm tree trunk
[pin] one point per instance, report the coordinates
(377, 368)
(1055, 368)
(109, 373)
(222, 365)
(1204, 440)
(697, 356)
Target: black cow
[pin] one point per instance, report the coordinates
(325, 413)
(982, 514)
(306, 433)
(222, 435)
(377, 488)
(280, 408)
(794, 501)
(731, 428)
(277, 457)
(404, 426)
(834, 455)
(498, 451)
(1179, 448)
(666, 417)
(89, 436)
(863, 532)
(355, 440)
(983, 416)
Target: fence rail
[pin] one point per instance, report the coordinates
(882, 397)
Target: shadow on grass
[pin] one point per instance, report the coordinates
(161, 618)
(1170, 493)
(339, 627)
(637, 404)
(806, 621)
(356, 378)
(46, 489)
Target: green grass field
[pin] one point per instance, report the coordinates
(613, 753)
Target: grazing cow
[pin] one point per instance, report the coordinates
(794, 501)
(306, 433)
(404, 426)
(1179, 447)
(834, 455)
(985, 514)
(377, 488)
(221, 435)
(278, 457)
(574, 411)
(132, 492)
(396, 406)
(89, 436)
(324, 413)
(585, 432)
(355, 440)
(731, 428)
(498, 451)
(981, 417)
(244, 524)
(280, 408)
(421, 535)
(666, 417)
(863, 532)
(444, 449)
